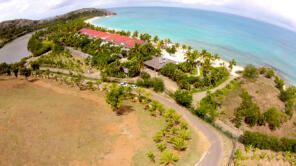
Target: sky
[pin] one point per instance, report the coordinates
(278, 12)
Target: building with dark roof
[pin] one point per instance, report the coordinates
(156, 63)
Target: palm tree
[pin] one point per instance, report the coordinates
(160, 44)
(168, 158)
(191, 58)
(155, 39)
(135, 34)
(189, 48)
(169, 41)
(177, 45)
(232, 63)
(139, 60)
(184, 46)
(216, 56)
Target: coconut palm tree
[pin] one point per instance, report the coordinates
(139, 60)
(135, 34)
(177, 45)
(189, 48)
(155, 39)
(232, 63)
(191, 58)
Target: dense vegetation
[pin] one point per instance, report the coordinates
(210, 77)
(263, 141)
(10, 30)
(156, 83)
(183, 97)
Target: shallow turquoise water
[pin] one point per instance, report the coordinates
(231, 36)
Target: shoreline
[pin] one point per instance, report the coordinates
(180, 52)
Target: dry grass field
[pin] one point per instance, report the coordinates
(45, 123)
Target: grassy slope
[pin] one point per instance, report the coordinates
(40, 126)
(265, 94)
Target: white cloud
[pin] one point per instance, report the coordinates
(279, 12)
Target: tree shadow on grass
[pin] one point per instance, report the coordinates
(125, 109)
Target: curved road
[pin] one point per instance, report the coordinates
(15, 50)
(213, 157)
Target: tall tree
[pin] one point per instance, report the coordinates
(115, 96)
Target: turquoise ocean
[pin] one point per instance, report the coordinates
(231, 36)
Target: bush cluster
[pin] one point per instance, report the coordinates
(250, 72)
(183, 97)
(263, 141)
(211, 78)
(249, 112)
(156, 83)
(208, 106)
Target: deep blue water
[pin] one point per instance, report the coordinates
(231, 36)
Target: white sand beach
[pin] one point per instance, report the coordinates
(179, 57)
(90, 21)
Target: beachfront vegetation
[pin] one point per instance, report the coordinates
(211, 76)
(250, 72)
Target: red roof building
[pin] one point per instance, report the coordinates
(115, 38)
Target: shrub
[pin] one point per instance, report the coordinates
(248, 111)
(289, 94)
(273, 118)
(179, 143)
(145, 75)
(168, 158)
(184, 125)
(161, 147)
(115, 96)
(279, 83)
(184, 134)
(263, 141)
(157, 138)
(184, 84)
(207, 105)
(151, 156)
(35, 66)
(183, 97)
(158, 85)
(3, 68)
(262, 70)
(250, 72)
(25, 72)
(269, 73)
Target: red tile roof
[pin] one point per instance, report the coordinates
(115, 38)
